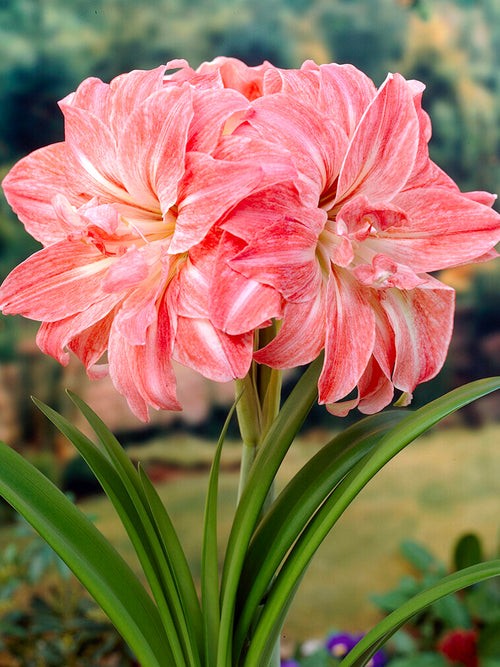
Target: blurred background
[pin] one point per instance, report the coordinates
(48, 46)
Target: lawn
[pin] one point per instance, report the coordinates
(444, 484)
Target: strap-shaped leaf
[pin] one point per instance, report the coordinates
(137, 522)
(296, 505)
(374, 640)
(271, 454)
(140, 531)
(317, 529)
(88, 554)
(209, 555)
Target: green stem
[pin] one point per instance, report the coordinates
(257, 409)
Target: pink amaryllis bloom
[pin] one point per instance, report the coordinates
(350, 243)
(126, 209)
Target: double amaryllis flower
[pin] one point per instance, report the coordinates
(183, 212)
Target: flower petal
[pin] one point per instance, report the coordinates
(301, 336)
(422, 320)
(152, 147)
(56, 282)
(350, 337)
(238, 303)
(211, 352)
(30, 187)
(144, 373)
(383, 149)
(444, 229)
(205, 197)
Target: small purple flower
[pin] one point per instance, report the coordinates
(289, 663)
(339, 645)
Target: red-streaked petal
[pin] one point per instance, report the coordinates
(316, 143)
(350, 337)
(214, 354)
(444, 229)
(209, 190)
(382, 151)
(144, 373)
(283, 256)
(86, 333)
(56, 282)
(344, 95)
(237, 303)
(422, 320)
(30, 187)
(212, 110)
(129, 90)
(152, 147)
(301, 336)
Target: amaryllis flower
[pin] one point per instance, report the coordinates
(126, 209)
(350, 244)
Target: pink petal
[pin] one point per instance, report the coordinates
(375, 391)
(238, 76)
(214, 354)
(209, 190)
(56, 282)
(422, 320)
(345, 93)
(382, 151)
(30, 187)
(212, 110)
(86, 334)
(350, 337)
(444, 229)
(152, 147)
(301, 336)
(128, 91)
(91, 157)
(126, 272)
(283, 256)
(144, 373)
(238, 303)
(316, 143)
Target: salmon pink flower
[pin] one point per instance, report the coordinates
(350, 244)
(126, 209)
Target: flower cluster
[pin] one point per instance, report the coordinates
(187, 209)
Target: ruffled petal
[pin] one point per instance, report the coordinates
(209, 190)
(301, 336)
(30, 187)
(237, 303)
(283, 256)
(214, 354)
(56, 282)
(316, 144)
(215, 111)
(152, 147)
(350, 337)
(144, 373)
(383, 150)
(422, 321)
(444, 229)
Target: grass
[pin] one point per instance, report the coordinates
(440, 487)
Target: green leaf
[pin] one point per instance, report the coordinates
(295, 506)
(468, 551)
(272, 451)
(120, 481)
(332, 509)
(92, 559)
(372, 642)
(421, 558)
(209, 555)
(489, 642)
